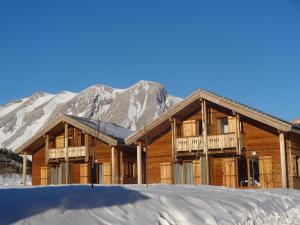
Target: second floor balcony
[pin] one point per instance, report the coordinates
(217, 142)
(73, 152)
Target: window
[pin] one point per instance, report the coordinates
(223, 125)
(129, 170)
(295, 165)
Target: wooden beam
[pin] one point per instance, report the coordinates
(238, 133)
(248, 171)
(174, 134)
(283, 160)
(139, 163)
(204, 135)
(121, 172)
(67, 152)
(24, 168)
(47, 149)
(86, 144)
(112, 164)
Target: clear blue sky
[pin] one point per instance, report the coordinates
(245, 50)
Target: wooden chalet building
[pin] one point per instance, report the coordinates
(208, 139)
(63, 153)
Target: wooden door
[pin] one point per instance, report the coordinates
(166, 173)
(44, 175)
(230, 172)
(216, 171)
(85, 173)
(265, 172)
(106, 173)
(197, 172)
(74, 173)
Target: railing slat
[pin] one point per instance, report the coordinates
(220, 141)
(56, 153)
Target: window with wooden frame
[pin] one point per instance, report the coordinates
(223, 126)
(295, 166)
(129, 170)
(227, 125)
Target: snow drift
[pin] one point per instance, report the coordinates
(155, 204)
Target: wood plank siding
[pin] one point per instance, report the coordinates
(159, 151)
(53, 172)
(258, 137)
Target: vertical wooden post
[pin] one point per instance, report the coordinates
(174, 135)
(67, 152)
(47, 149)
(238, 135)
(121, 172)
(204, 135)
(283, 160)
(86, 144)
(248, 171)
(24, 168)
(112, 164)
(139, 163)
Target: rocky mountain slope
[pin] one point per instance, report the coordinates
(131, 108)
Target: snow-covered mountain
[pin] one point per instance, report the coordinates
(131, 108)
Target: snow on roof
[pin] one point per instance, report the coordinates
(106, 128)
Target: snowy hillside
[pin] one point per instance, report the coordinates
(131, 108)
(155, 204)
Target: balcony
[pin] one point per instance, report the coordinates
(220, 141)
(74, 152)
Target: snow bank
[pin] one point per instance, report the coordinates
(13, 179)
(156, 204)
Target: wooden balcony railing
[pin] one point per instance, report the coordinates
(74, 152)
(220, 141)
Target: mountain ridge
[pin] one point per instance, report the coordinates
(131, 108)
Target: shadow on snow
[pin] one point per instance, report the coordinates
(20, 203)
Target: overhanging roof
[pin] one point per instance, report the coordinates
(99, 130)
(237, 107)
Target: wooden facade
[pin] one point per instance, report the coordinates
(70, 154)
(207, 139)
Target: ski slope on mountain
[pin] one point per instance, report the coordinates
(155, 204)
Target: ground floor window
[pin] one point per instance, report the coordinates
(187, 172)
(130, 170)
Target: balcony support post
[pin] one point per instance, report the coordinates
(238, 135)
(283, 159)
(113, 164)
(67, 152)
(24, 168)
(46, 148)
(139, 163)
(86, 144)
(174, 135)
(204, 135)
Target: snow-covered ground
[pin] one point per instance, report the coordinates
(155, 204)
(13, 179)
